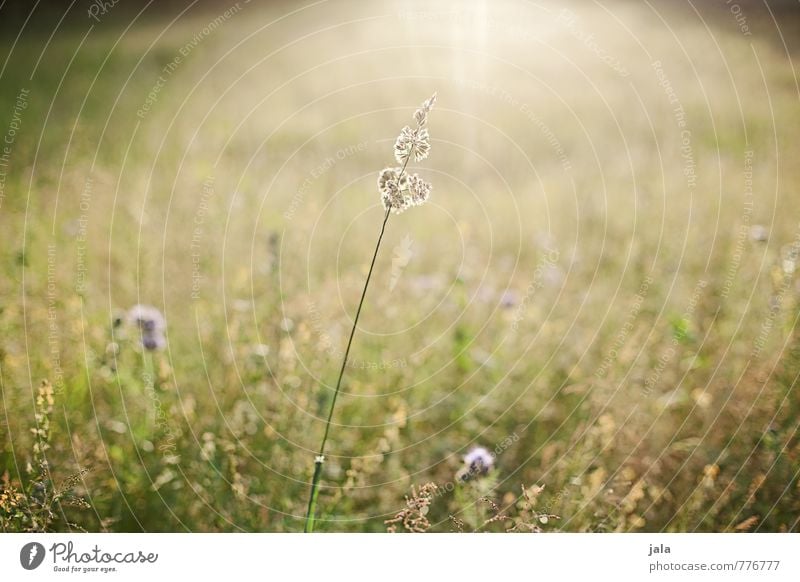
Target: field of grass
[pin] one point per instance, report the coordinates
(603, 291)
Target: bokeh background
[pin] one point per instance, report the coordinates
(603, 290)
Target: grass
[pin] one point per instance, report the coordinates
(569, 298)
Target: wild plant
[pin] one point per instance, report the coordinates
(399, 191)
(39, 505)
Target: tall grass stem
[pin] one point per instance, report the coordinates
(312, 499)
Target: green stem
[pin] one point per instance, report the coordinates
(312, 499)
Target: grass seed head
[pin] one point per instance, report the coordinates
(400, 191)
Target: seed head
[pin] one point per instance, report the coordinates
(399, 191)
(412, 142)
(394, 190)
(390, 178)
(421, 114)
(419, 188)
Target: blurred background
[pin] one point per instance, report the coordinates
(602, 291)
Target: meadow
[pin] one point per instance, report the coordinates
(603, 290)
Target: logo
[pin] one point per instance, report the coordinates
(31, 555)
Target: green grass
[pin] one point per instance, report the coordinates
(671, 406)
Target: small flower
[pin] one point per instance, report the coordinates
(420, 189)
(151, 326)
(477, 462)
(146, 318)
(509, 299)
(410, 142)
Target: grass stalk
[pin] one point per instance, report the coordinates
(320, 459)
(410, 143)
